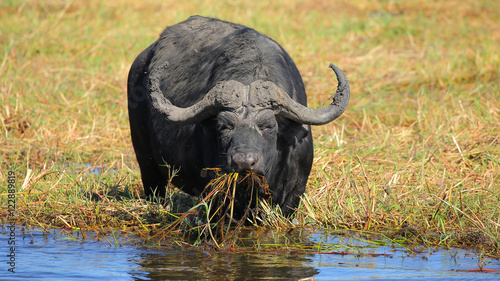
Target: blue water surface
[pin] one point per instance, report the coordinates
(66, 255)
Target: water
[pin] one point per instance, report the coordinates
(48, 256)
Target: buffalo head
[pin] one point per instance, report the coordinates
(247, 118)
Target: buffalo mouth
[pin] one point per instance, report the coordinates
(254, 176)
(245, 163)
(244, 180)
(244, 172)
(236, 193)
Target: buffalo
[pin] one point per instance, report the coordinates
(214, 94)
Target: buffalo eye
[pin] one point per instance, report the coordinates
(226, 122)
(267, 127)
(225, 126)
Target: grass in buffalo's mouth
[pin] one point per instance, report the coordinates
(229, 201)
(415, 157)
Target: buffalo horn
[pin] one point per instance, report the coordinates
(263, 94)
(225, 95)
(293, 110)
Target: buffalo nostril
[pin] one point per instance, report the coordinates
(245, 161)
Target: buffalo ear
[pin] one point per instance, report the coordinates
(293, 132)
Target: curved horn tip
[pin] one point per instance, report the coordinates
(336, 69)
(341, 77)
(333, 67)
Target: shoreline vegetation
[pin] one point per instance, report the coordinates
(415, 158)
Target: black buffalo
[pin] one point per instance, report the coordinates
(214, 94)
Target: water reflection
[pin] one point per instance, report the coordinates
(191, 263)
(119, 256)
(195, 265)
